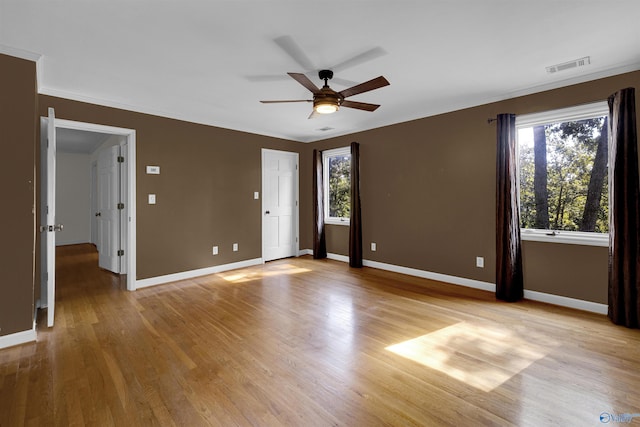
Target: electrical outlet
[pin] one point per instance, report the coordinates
(480, 262)
(235, 247)
(374, 247)
(215, 250)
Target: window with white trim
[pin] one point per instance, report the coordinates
(563, 175)
(337, 185)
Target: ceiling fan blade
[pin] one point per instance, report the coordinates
(376, 83)
(314, 115)
(304, 81)
(292, 48)
(366, 56)
(359, 105)
(287, 100)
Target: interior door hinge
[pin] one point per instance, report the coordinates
(120, 159)
(120, 205)
(121, 252)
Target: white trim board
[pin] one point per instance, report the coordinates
(18, 338)
(175, 277)
(342, 258)
(578, 304)
(469, 283)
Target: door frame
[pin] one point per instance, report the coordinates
(297, 193)
(128, 178)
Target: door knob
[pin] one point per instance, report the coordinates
(98, 214)
(51, 228)
(267, 213)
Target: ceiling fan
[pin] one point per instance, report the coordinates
(327, 100)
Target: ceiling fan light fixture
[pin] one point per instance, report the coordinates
(325, 107)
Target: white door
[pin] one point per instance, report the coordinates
(48, 225)
(94, 203)
(108, 214)
(279, 204)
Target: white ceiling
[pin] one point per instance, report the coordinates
(211, 61)
(79, 141)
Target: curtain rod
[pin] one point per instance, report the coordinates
(491, 120)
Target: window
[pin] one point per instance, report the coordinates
(563, 175)
(337, 185)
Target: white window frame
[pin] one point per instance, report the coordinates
(336, 152)
(580, 112)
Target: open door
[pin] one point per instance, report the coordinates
(108, 210)
(48, 216)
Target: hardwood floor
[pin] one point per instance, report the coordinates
(299, 342)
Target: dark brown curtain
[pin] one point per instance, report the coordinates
(509, 277)
(624, 211)
(355, 219)
(319, 241)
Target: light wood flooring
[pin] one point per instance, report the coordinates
(299, 342)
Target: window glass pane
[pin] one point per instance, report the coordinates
(563, 176)
(339, 186)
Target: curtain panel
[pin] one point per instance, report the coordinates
(509, 276)
(624, 211)
(355, 219)
(319, 240)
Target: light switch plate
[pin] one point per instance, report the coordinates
(153, 170)
(480, 262)
(235, 247)
(215, 250)
(152, 199)
(256, 195)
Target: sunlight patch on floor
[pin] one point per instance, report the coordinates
(483, 356)
(247, 276)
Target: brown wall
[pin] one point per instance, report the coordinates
(204, 191)
(428, 196)
(17, 139)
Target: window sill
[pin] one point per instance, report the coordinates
(566, 237)
(337, 222)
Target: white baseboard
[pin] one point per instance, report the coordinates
(302, 252)
(470, 283)
(337, 257)
(18, 338)
(159, 280)
(578, 304)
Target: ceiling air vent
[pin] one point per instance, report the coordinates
(569, 65)
(324, 129)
